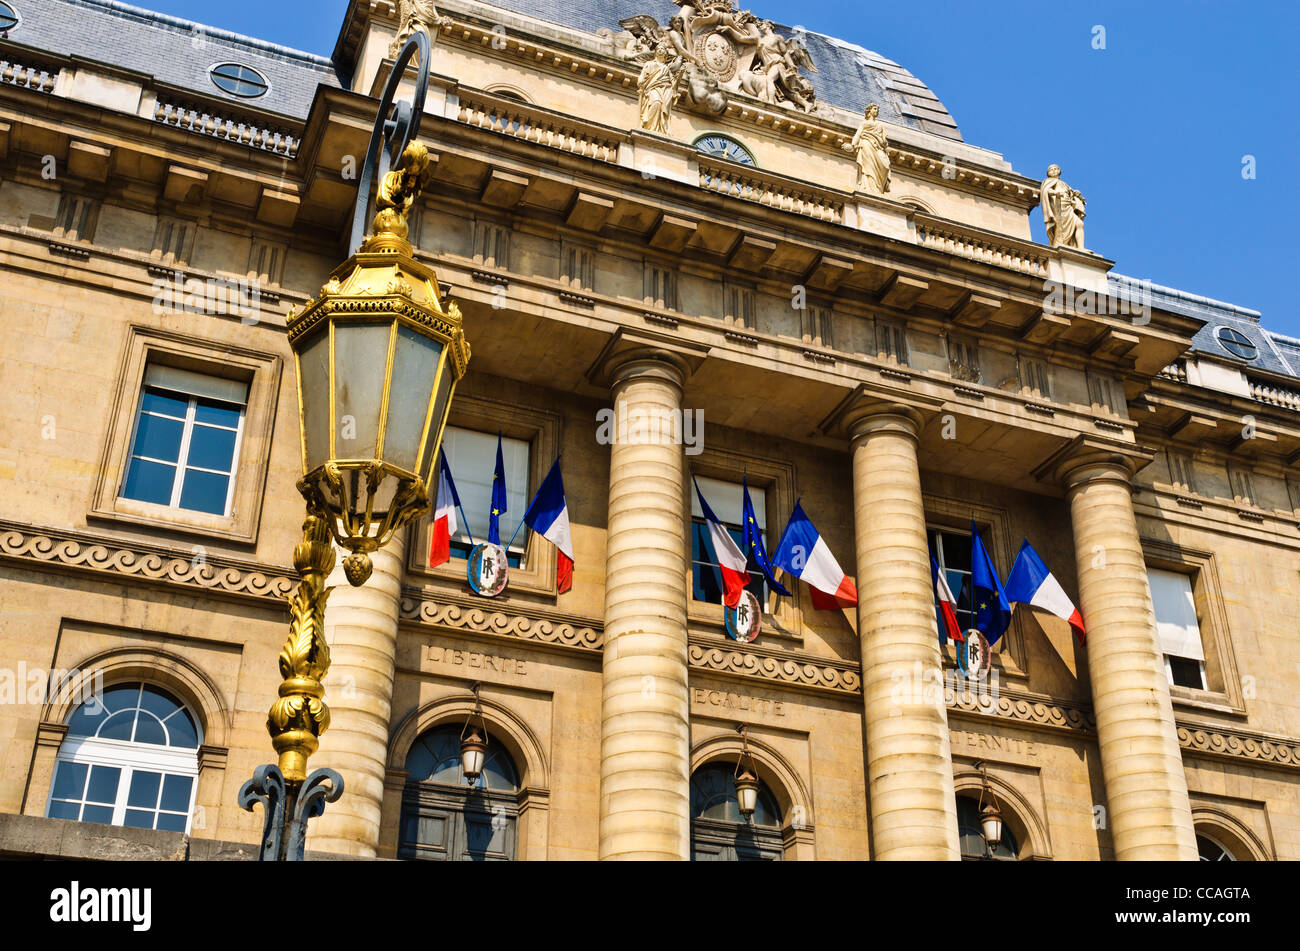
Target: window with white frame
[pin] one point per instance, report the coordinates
(726, 500)
(1177, 626)
(472, 456)
(186, 442)
(130, 758)
(952, 551)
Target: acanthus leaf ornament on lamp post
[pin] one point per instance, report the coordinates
(378, 356)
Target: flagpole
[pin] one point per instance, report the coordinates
(512, 537)
(461, 510)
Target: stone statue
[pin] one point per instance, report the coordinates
(415, 15)
(871, 146)
(399, 189)
(725, 50)
(689, 76)
(657, 87)
(1063, 211)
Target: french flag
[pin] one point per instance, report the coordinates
(1031, 583)
(731, 562)
(947, 605)
(548, 515)
(804, 554)
(444, 515)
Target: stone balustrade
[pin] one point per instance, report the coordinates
(523, 121)
(254, 134)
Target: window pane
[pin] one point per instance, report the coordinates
(101, 814)
(163, 403)
(472, 457)
(69, 781)
(217, 414)
(158, 437)
(1186, 672)
(123, 697)
(144, 789)
(118, 726)
(176, 794)
(149, 482)
(149, 730)
(157, 703)
(138, 819)
(65, 810)
(205, 492)
(86, 720)
(171, 823)
(182, 732)
(103, 784)
(212, 448)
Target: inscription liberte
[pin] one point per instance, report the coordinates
(478, 661)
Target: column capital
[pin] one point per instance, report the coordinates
(1086, 459)
(633, 354)
(867, 410)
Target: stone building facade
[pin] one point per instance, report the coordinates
(905, 363)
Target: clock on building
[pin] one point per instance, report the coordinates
(720, 146)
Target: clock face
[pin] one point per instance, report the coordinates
(719, 146)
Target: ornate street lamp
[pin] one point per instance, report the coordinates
(378, 356)
(473, 743)
(745, 778)
(990, 814)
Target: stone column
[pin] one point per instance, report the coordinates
(1149, 815)
(645, 716)
(909, 761)
(361, 630)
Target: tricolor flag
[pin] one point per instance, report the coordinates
(988, 600)
(804, 554)
(444, 515)
(498, 497)
(548, 516)
(947, 606)
(1031, 583)
(754, 543)
(731, 562)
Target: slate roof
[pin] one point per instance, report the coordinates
(1277, 354)
(847, 75)
(174, 51)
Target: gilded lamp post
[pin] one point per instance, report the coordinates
(378, 356)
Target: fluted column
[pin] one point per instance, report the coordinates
(361, 630)
(1149, 815)
(645, 717)
(909, 761)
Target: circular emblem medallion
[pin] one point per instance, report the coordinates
(488, 569)
(974, 654)
(718, 54)
(745, 620)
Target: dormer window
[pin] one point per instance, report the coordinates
(239, 80)
(1236, 343)
(8, 18)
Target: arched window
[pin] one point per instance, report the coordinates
(973, 846)
(129, 758)
(1211, 851)
(719, 833)
(239, 80)
(443, 819)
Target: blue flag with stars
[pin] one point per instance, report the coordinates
(988, 600)
(498, 497)
(754, 543)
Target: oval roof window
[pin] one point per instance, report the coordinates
(1237, 343)
(8, 18)
(238, 80)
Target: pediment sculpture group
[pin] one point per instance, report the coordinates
(711, 49)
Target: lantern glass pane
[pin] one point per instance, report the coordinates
(314, 388)
(415, 368)
(360, 361)
(445, 385)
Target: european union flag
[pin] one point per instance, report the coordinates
(754, 543)
(988, 601)
(498, 497)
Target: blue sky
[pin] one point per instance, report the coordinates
(1153, 129)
